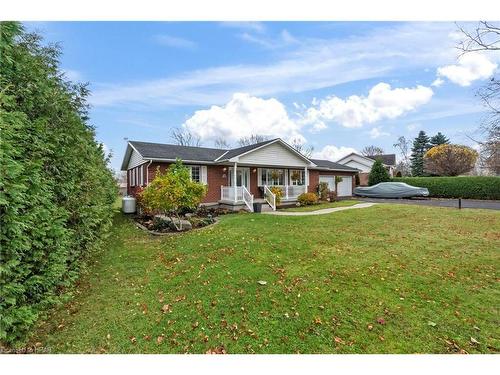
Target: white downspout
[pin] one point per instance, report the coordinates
(306, 177)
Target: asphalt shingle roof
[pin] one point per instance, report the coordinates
(387, 159)
(240, 150)
(164, 151)
(332, 165)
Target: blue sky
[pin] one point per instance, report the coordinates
(337, 86)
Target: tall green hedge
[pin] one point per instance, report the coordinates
(56, 192)
(473, 187)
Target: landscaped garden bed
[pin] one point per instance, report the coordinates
(164, 224)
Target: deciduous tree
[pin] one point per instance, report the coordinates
(372, 150)
(450, 160)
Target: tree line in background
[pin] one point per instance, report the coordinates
(56, 191)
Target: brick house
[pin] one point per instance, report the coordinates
(237, 177)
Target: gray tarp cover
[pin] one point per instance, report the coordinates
(391, 190)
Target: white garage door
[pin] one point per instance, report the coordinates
(330, 180)
(345, 187)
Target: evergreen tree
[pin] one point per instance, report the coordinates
(420, 146)
(378, 173)
(439, 139)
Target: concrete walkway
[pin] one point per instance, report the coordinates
(319, 212)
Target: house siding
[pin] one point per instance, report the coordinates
(274, 154)
(135, 159)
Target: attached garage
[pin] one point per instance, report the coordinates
(344, 187)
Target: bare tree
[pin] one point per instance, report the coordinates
(252, 139)
(403, 145)
(302, 148)
(372, 150)
(184, 137)
(220, 142)
(486, 37)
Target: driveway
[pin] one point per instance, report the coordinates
(437, 202)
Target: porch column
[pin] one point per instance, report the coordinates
(306, 179)
(287, 176)
(235, 187)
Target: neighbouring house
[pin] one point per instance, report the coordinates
(237, 177)
(365, 163)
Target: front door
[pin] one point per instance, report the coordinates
(242, 177)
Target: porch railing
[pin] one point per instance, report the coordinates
(292, 191)
(227, 193)
(247, 198)
(270, 197)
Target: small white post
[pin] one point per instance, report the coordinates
(306, 179)
(235, 184)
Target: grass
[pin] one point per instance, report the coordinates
(320, 206)
(385, 279)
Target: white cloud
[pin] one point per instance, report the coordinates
(333, 153)
(174, 41)
(437, 82)
(470, 67)
(411, 127)
(377, 133)
(243, 116)
(284, 39)
(382, 102)
(312, 64)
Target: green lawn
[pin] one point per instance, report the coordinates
(384, 279)
(320, 206)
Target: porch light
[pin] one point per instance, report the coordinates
(224, 169)
(254, 170)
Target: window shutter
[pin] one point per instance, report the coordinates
(142, 175)
(203, 175)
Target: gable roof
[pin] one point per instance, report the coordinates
(242, 150)
(169, 152)
(327, 164)
(387, 159)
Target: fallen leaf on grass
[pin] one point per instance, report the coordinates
(216, 350)
(262, 282)
(338, 340)
(166, 309)
(133, 340)
(370, 327)
(474, 341)
(432, 324)
(381, 321)
(160, 339)
(318, 321)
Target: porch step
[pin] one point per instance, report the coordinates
(266, 207)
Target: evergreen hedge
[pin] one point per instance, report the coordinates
(472, 187)
(56, 192)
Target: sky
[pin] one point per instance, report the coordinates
(336, 86)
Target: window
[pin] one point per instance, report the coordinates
(297, 177)
(272, 177)
(195, 173)
(132, 177)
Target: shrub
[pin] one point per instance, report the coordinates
(323, 191)
(307, 199)
(172, 192)
(56, 192)
(472, 187)
(278, 192)
(450, 160)
(378, 173)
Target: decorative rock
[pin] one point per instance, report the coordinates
(183, 224)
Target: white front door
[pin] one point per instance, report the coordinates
(345, 187)
(242, 177)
